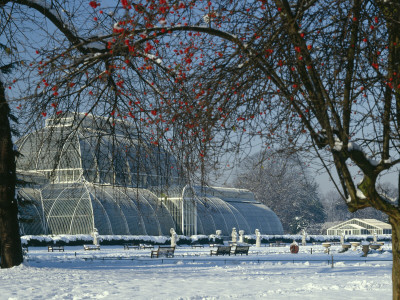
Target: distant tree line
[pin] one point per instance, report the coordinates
(284, 185)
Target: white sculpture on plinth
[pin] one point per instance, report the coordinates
(95, 235)
(174, 237)
(218, 238)
(258, 238)
(241, 236)
(342, 238)
(234, 235)
(303, 238)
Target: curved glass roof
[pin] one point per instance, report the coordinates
(225, 208)
(78, 208)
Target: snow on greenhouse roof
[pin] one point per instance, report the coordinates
(227, 194)
(89, 121)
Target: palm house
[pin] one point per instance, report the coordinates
(77, 178)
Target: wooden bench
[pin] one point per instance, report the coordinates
(163, 251)
(241, 250)
(91, 247)
(130, 246)
(145, 246)
(51, 248)
(221, 250)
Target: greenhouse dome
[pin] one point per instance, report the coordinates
(86, 177)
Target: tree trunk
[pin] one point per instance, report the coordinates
(396, 257)
(10, 241)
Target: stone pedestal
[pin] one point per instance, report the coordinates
(326, 246)
(355, 245)
(345, 247)
(365, 249)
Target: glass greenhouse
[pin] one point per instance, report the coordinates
(86, 177)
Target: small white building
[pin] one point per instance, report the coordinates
(360, 227)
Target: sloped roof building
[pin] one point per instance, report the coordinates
(89, 177)
(360, 227)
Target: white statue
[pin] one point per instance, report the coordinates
(342, 238)
(174, 237)
(258, 238)
(95, 235)
(218, 233)
(375, 237)
(303, 238)
(241, 236)
(234, 235)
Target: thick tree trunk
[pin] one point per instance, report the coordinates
(396, 257)
(10, 241)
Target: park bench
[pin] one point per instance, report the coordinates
(163, 251)
(221, 250)
(197, 245)
(146, 246)
(215, 245)
(130, 246)
(241, 250)
(91, 247)
(51, 248)
(277, 244)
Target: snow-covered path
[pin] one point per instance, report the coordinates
(192, 275)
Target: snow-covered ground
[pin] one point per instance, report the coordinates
(267, 273)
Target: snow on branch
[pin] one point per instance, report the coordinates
(355, 150)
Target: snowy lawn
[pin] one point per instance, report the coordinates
(268, 272)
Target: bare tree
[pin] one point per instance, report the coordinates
(283, 184)
(209, 77)
(314, 75)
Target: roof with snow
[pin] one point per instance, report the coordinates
(361, 226)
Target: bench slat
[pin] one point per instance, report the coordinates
(91, 247)
(55, 247)
(163, 251)
(241, 250)
(221, 250)
(130, 246)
